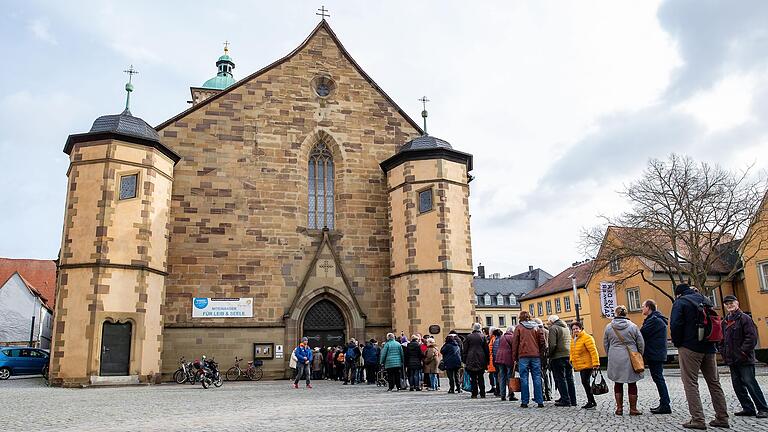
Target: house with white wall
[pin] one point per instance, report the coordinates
(27, 296)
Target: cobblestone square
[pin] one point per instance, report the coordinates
(27, 404)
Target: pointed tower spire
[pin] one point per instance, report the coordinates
(424, 101)
(129, 87)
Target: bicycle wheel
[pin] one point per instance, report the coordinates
(233, 374)
(255, 374)
(179, 376)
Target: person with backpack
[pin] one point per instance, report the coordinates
(738, 350)
(621, 340)
(391, 359)
(340, 363)
(692, 333)
(350, 362)
(654, 331)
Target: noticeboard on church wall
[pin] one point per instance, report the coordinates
(264, 351)
(204, 307)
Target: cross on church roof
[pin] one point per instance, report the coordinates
(131, 72)
(323, 13)
(129, 87)
(226, 47)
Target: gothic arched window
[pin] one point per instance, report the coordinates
(320, 187)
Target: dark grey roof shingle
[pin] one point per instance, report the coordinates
(127, 124)
(425, 142)
(493, 287)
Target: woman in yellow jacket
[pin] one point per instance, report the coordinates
(584, 359)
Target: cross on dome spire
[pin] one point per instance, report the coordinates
(323, 13)
(129, 87)
(424, 101)
(226, 47)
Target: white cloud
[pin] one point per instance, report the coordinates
(40, 27)
(726, 105)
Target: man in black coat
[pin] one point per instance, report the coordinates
(696, 355)
(738, 350)
(414, 363)
(476, 356)
(654, 331)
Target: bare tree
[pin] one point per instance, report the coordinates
(688, 221)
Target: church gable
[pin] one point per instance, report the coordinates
(323, 47)
(241, 205)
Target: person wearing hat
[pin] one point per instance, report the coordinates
(696, 355)
(738, 350)
(303, 363)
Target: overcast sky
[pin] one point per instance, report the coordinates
(561, 102)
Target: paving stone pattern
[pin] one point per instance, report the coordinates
(27, 404)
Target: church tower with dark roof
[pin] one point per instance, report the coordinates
(431, 254)
(112, 264)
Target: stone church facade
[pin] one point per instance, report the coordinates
(301, 189)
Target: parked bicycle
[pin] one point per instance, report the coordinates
(184, 373)
(253, 372)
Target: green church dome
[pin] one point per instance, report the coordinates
(219, 82)
(223, 78)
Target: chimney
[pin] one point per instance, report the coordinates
(481, 271)
(530, 269)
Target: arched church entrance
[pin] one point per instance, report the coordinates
(324, 325)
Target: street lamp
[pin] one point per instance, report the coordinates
(575, 296)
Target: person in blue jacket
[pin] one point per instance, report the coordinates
(350, 362)
(654, 331)
(371, 359)
(303, 362)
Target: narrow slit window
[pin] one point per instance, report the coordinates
(320, 188)
(425, 200)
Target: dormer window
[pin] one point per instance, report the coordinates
(512, 299)
(487, 300)
(615, 265)
(500, 300)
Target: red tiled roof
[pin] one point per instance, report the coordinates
(39, 275)
(562, 282)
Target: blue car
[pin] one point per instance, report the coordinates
(22, 361)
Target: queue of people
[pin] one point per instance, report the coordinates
(530, 347)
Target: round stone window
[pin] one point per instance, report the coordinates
(323, 86)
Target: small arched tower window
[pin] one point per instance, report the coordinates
(320, 179)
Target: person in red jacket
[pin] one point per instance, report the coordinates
(505, 363)
(527, 349)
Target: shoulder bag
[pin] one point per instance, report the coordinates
(601, 387)
(638, 365)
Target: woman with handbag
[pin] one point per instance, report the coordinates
(505, 365)
(624, 344)
(584, 359)
(452, 361)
